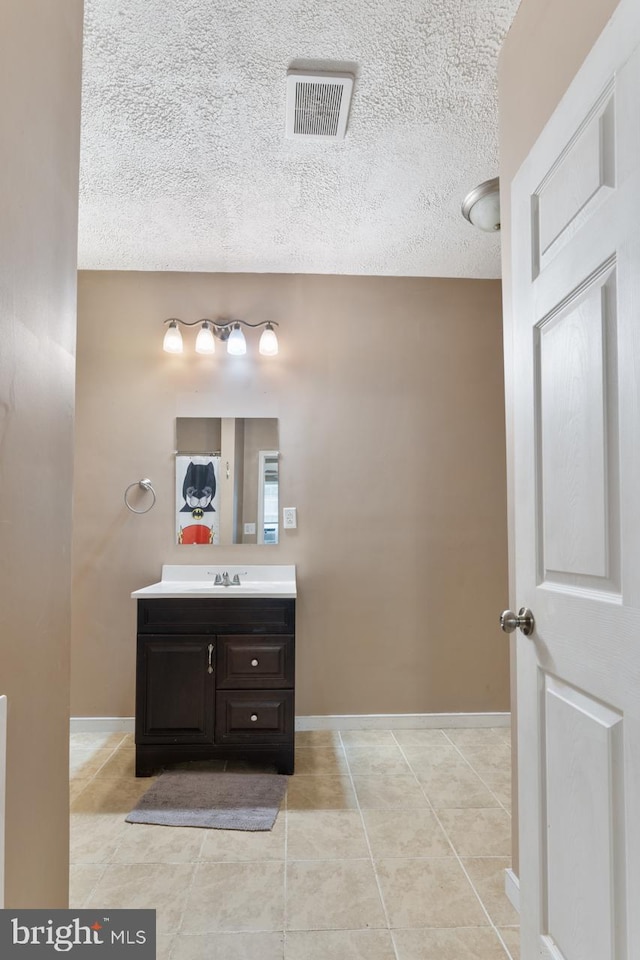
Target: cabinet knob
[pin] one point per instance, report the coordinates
(254, 663)
(254, 717)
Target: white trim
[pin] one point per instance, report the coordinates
(3, 783)
(102, 724)
(402, 721)
(512, 888)
(349, 721)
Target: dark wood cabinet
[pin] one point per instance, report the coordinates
(215, 680)
(175, 691)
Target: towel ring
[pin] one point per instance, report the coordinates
(144, 485)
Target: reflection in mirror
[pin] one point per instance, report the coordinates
(227, 475)
(268, 496)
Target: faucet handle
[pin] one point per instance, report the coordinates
(236, 580)
(218, 581)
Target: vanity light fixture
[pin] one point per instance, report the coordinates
(268, 342)
(228, 331)
(205, 341)
(481, 206)
(236, 344)
(173, 338)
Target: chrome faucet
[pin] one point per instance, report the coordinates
(226, 581)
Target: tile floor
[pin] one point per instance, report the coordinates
(390, 846)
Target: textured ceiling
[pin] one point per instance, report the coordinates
(184, 162)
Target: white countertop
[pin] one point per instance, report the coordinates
(188, 580)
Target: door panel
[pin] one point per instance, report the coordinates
(573, 418)
(584, 857)
(577, 438)
(576, 308)
(576, 183)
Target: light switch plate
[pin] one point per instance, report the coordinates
(289, 518)
(249, 528)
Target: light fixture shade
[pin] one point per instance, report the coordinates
(172, 342)
(481, 206)
(205, 341)
(236, 344)
(268, 342)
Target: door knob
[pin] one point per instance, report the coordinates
(523, 620)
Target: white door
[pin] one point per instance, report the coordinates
(576, 307)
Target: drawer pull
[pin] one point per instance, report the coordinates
(210, 667)
(254, 663)
(254, 717)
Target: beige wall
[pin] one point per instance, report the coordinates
(389, 394)
(40, 61)
(542, 53)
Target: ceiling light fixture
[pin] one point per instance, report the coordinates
(228, 331)
(481, 206)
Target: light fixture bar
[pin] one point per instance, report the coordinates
(228, 331)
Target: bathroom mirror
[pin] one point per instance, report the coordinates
(227, 480)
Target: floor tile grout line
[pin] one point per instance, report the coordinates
(71, 802)
(459, 859)
(254, 860)
(285, 871)
(92, 890)
(231, 933)
(98, 769)
(479, 776)
(188, 893)
(373, 862)
(110, 860)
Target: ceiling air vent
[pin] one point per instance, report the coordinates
(318, 105)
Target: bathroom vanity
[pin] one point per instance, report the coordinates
(215, 666)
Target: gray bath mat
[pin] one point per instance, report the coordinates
(221, 801)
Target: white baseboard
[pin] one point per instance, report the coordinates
(102, 724)
(3, 784)
(512, 888)
(349, 721)
(402, 721)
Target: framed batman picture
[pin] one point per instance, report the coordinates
(197, 499)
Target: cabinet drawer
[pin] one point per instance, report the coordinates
(251, 663)
(256, 717)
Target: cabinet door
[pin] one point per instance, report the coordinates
(175, 690)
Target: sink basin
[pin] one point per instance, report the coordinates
(277, 580)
